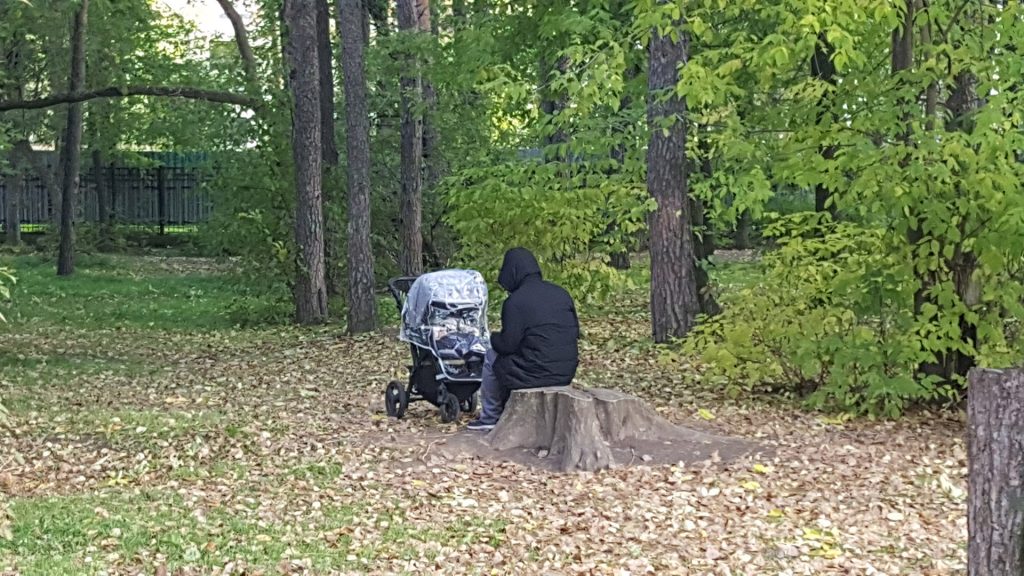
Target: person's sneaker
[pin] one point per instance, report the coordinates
(479, 425)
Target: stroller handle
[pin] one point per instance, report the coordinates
(399, 287)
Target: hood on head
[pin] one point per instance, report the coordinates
(519, 265)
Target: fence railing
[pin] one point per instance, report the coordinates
(156, 198)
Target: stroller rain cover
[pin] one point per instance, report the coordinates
(446, 312)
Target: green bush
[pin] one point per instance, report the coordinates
(830, 322)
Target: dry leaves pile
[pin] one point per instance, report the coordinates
(268, 452)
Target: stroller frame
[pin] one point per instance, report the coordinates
(427, 379)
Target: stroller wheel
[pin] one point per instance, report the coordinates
(469, 406)
(449, 408)
(396, 400)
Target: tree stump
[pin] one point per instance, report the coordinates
(995, 452)
(594, 429)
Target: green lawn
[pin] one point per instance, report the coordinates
(112, 292)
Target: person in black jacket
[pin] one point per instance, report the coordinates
(537, 345)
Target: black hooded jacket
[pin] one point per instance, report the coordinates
(537, 345)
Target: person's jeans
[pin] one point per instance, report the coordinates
(492, 394)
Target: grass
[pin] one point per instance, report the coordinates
(27, 360)
(105, 293)
(64, 535)
(83, 534)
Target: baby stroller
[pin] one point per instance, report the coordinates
(444, 320)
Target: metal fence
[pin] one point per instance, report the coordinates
(169, 196)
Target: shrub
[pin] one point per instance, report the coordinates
(830, 322)
(568, 217)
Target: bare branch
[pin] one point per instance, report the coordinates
(186, 92)
(241, 38)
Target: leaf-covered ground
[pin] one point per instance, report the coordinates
(142, 443)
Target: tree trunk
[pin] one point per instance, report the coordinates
(703, 241)
(620, 259)
(12, 207)
(283, 30)
(102, 180)
(674, 299)
(16, 191)
(703, 249)
(72, 155)
(242, 41)
(310, 288)
(552, 105)
(12, 86)
(411, 194)
(433, 170)
(115, 192)
(962, 104)
(377, 11)
(362, 305)
(742, 240)
(332, 240)
(433, 161)
(570, 429)
(902, 59)
(326, 69)
(995, 451)
(550, 67)
(824, 69)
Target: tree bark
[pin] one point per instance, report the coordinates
(16, 191)
(326, 63)
(553, 103)
(962, 104)
(411, 192)
(674, 299)
(824, 69)
(571, 429)
(115, 190)
(304, 78)
(362, 306)
(995, 451)
(21, 150)
(328, 142)
(78, 96)
(433, 171)
(902, 59)
(742, 240)
(620, 259)
(703, 244)
(377, 11)
(72, 155)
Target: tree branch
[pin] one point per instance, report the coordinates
(241, 38)
(944, 34)
(186, 92)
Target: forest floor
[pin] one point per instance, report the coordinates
(146, 435)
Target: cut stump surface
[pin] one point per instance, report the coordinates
(570, 429)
